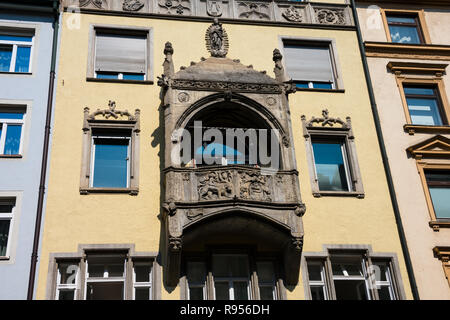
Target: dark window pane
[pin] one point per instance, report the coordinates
(196, 293)
(441, 202)
(404, 34)
(105, 291)
(399, 19)
(347, 268)
(424, 111)
(12, 142)
(380, 271)
(133, 76)
(111, 165)
(4, 232)
(419, 91)
(142, 273)
(23, 59)
(222, 291)
(220, 266)
(314, 271)
(240, 290)
(350, 289)
(438, 176)
(68, 272)
(104, 75)
(239, 266)
(383, 293)
(5, 58)
(330, 167)
(66, 295)
(115, 270)
(142, 294)
(317, 293)
(266, 293)
(11, 115)
(6, 208)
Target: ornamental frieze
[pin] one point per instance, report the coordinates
(335, 15)
(225, 86)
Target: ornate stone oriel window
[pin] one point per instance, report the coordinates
(110, 151)
(423, 96)
(104, 272)
(351, 272)
(433, 164)
(331, 153)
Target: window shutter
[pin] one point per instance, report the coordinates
(121, 53)
(308, 63)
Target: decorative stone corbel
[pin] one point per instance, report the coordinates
(298, 243)
(300, 210)
(170, 208)
(279, 71)
(175, 244)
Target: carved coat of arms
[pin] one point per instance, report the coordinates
(214, 8)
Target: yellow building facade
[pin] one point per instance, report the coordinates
(337, 229)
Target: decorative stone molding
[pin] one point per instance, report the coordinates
(293, 14)
(326, 120)
(443, 254)
(110, 118)
(175, 7)
(270, 12)
(217, 40)
(225, 86)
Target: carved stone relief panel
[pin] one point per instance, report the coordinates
(175, 7)
(293, 13)
(329, 16)
(133, 5)
(253, 10)
(99, 4)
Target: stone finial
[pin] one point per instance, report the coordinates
(169, 69)
(217, 40)
(280, 74)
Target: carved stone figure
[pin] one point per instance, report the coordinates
(293, 14)
(254, 186)
(215, 185)
(132, 5)
(329, 16)
(214, 8)
(217, 40)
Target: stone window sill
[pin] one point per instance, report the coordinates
(86, 191)
(17, 73)
(413, 128)
(4, 258)
(144, 82)
(440, 223)
(319, 194)
(321, 90)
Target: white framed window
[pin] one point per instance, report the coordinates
(12, 121)
(142, 280)
(317, 280)
(231, 277)
(105, 277)
(7, 211)
(350, 278)
(384, 280)
(110, 160)
(67, 280)
(16, 50)
(196, 280)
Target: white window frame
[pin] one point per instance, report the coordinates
(67, 287)
(230, 280)
(197, 284)
(93, 148)
(388, 282)
(4, 128)
(105, 277)
(148, 285)
(316, 283)
(272, 284)
(9, 216)
(16, 44)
